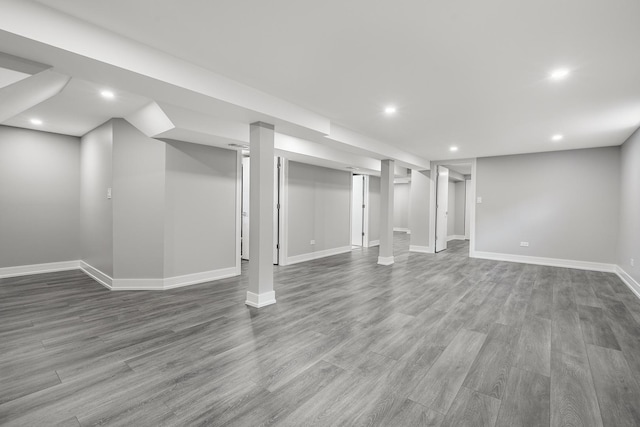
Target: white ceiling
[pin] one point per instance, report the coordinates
(466, 73)
(77, 109)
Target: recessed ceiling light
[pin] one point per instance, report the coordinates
(454, 148)
(559, 74)
(390, 109)
(557, 137)
(36, 122)
(108, 94)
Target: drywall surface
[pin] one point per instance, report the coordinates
(138, 203)
(319, 209)
(401, 205)
(96, 210)
(39, 197)
(419, 208)
(629, 230)
(565, 204)
(200, 217)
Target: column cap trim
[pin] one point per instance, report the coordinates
(263, 125)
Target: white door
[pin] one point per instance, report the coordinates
(244, 247)
(357, 210)
(442, 206)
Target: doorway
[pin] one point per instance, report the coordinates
(245, 231)
(453, 207)
(357, 211)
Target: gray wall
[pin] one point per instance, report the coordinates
(374, 208)
(629, 230)
(319, 208)
(419, 208)
(200, 223)
(401, 205)
(565, 204)
(96, 211)
(39, 197)
(138, 203)
(458, 219)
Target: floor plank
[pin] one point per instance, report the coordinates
(526, 400)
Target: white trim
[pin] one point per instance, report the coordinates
(156, 284)
(50, 267)
(628, 280)
(552, 262)
(420, 249)
(402, 230)
(386, 260)
(100, 277)
(455, 237)
(319, 254)
(374, 243)
(202, 277)
(260, 300)
(365, 221)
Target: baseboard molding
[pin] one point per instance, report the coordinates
(50, 267)
(455, 237)
(551, 262)
(260, 300)
(386, 260)
(97, 275)
(374, 243)
(402, 230)
(156, 284)
(316, 255)
(628, 280)
(420, 249)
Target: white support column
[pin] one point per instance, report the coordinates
(385, 254)
(261, 291)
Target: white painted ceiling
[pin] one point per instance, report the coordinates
(465, 73)
(77, 109)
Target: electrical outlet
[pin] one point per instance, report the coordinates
(479, 200)
(524, 244)
(632, 262)
(313, 242)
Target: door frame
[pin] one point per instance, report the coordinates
(432, 203)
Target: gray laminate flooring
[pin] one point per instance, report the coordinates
(434, 340)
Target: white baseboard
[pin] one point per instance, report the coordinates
(421, 249)
(319, 254)
(551, 262)
(260, 300)
(374, 243)
(386, 260)
(157, 284)
(455, 237)
(104, 279)
(628, 280)
(402, 230)
(50, 267)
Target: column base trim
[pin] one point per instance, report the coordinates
(420, 249)
(260, 300)
(386, 260)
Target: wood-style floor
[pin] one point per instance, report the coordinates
(435, 340)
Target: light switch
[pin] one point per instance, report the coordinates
(109, 193)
